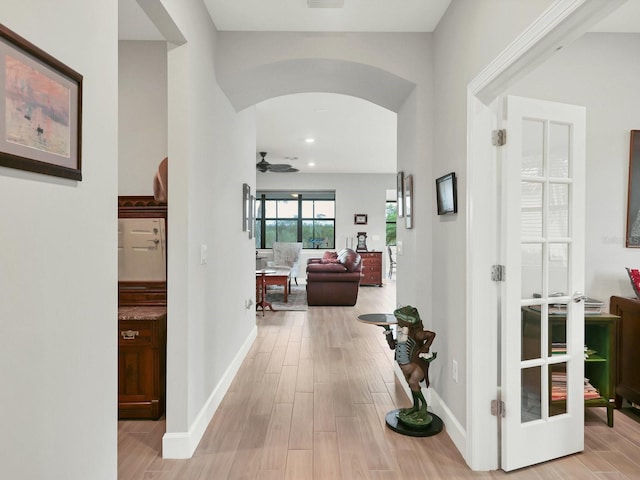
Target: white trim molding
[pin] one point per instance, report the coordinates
(184, 444)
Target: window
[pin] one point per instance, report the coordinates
(391, 216)
(307, 217)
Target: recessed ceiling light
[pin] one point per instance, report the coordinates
(311, 164)
(309, 140)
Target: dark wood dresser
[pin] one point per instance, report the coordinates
(142, 340)
(142, 308)
(371, 268)
(628, 385)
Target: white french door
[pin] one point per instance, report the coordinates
(542, 224)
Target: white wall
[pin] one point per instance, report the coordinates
(599, 71)
(211, 150)
(142, 114)
(58, 269)
(355, 193)
(469, 36)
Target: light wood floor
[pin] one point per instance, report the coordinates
(309, 403)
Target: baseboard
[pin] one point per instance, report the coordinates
(454, 429)
(183, 444)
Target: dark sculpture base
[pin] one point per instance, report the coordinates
(433, 428)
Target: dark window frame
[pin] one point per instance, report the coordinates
(391, 222)
(301, 196)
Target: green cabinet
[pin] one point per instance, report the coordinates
(600, 335)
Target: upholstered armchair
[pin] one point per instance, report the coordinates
(287, 254)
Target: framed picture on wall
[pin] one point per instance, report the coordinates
(246, 207)
(360, 219)
(41, 105)
(400, 194)
(408, 201)
(252, 215)
(446, 194)
(633, 195)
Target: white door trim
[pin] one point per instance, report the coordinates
(561, 23)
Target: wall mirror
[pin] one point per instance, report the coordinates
(142, 251)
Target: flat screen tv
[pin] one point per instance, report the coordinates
(446, 194)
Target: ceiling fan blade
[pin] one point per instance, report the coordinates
(279, 167)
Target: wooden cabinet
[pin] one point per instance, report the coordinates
(600, 336)
(141, 361)
(628, 378)
(142, 313)
(371, 268)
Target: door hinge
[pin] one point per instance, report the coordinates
(497, 408)
(499, 137)
(498, 273)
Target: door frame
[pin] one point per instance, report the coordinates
(563, 22)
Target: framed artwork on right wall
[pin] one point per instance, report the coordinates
(446, 194)
(633, 196)
(408, 201)
(400, 195)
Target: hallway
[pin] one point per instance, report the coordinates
(309, 403)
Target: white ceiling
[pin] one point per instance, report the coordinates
(354, 16)
(352, 135)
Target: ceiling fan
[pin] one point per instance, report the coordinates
(264, 166)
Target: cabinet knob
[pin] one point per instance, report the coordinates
(129, 334)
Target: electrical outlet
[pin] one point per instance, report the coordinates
(454, 371)
(203, 254)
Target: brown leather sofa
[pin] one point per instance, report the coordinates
(334, 279)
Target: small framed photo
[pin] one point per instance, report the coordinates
(252, 215)
(446, 194)
(246, 207)
(360, 219)
(408, 201)
(41, 105)
(400, 194)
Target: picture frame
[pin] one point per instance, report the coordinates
(252, 215)
(246, 207)
(40, 110)
(408, 201)
(447, 194)
(360, 219)
(400, 194)
(633, 193)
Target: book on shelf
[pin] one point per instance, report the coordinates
(560, 348)
(592, 306)
(559, 387)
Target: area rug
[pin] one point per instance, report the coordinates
(296, 300)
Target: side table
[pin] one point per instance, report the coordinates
(261, 290)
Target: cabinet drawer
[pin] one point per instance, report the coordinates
(135, 333)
